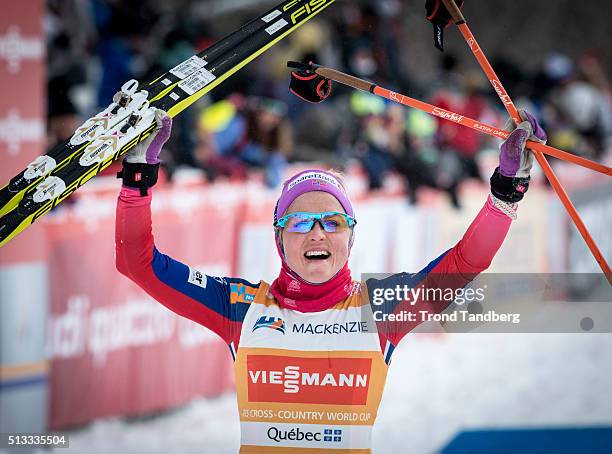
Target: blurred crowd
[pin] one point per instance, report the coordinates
(252, 124)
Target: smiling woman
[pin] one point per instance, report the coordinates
(314, 233)
(316, 239)
(310, 358)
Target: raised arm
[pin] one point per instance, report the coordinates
(474, 252)
(206, 300)
(209, 301)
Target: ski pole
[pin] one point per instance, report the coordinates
(361, 84)
(364, 85)
(460, 21)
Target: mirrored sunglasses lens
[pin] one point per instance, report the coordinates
(334, 223)
(300, 223)
(303, 223)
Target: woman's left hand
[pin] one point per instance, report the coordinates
(510, 180)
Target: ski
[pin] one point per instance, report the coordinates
(67, 151)
(61, 155)
(173, 92)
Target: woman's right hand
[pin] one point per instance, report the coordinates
(141, 163)
(148, 151)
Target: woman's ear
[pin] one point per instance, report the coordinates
(351, 239)
(278, 234)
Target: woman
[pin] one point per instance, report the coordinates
(310, 361)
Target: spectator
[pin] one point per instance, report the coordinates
(584, 106)
(251, 134)
(70, 37)
(421, 164)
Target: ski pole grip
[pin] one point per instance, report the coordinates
(345, 79)
(454, 11)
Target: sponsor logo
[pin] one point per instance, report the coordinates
(447, 115)
(41, 166)
(296, 434)
(320, 178)
(274, 323)
(196, 278)
(294, 286)
(396, 97)
(307, 8)
(334, 381)
(14, 48)
(92, 172)
(473, 44)
(489, 130)
(240, 293)
(353, 288)
(276, 26)
(50, 188)
(270, 17)
(482, 127)
(334, 435)
(89, 132)
(100, 150)
(84, 330)
(14, 130)
(501, 93)
(331, 328)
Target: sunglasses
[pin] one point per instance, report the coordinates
(303, 222)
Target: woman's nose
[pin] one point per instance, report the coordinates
(317, 232)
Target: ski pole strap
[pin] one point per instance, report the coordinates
(139, 176)
(439, 16)
(508, 189)
(308, 85)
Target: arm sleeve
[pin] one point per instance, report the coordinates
(453, 269)
(204, 299)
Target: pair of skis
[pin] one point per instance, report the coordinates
(129, 119)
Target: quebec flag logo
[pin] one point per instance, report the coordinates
(333, 435)
(274, 323)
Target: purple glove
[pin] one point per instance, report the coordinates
(514, 161)
(147, 151)
(141, 164)
(510, 180)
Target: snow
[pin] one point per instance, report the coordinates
(438, 384)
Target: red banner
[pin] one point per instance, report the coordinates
(22, 129)
(22, 125)
(114, 350)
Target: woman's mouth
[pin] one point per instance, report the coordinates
(319, 254)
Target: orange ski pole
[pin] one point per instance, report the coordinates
(361, 84)
(512, 110)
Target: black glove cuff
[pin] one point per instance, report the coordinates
(310, 87)
(508, 189)
(139, 176)
(439, 16)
